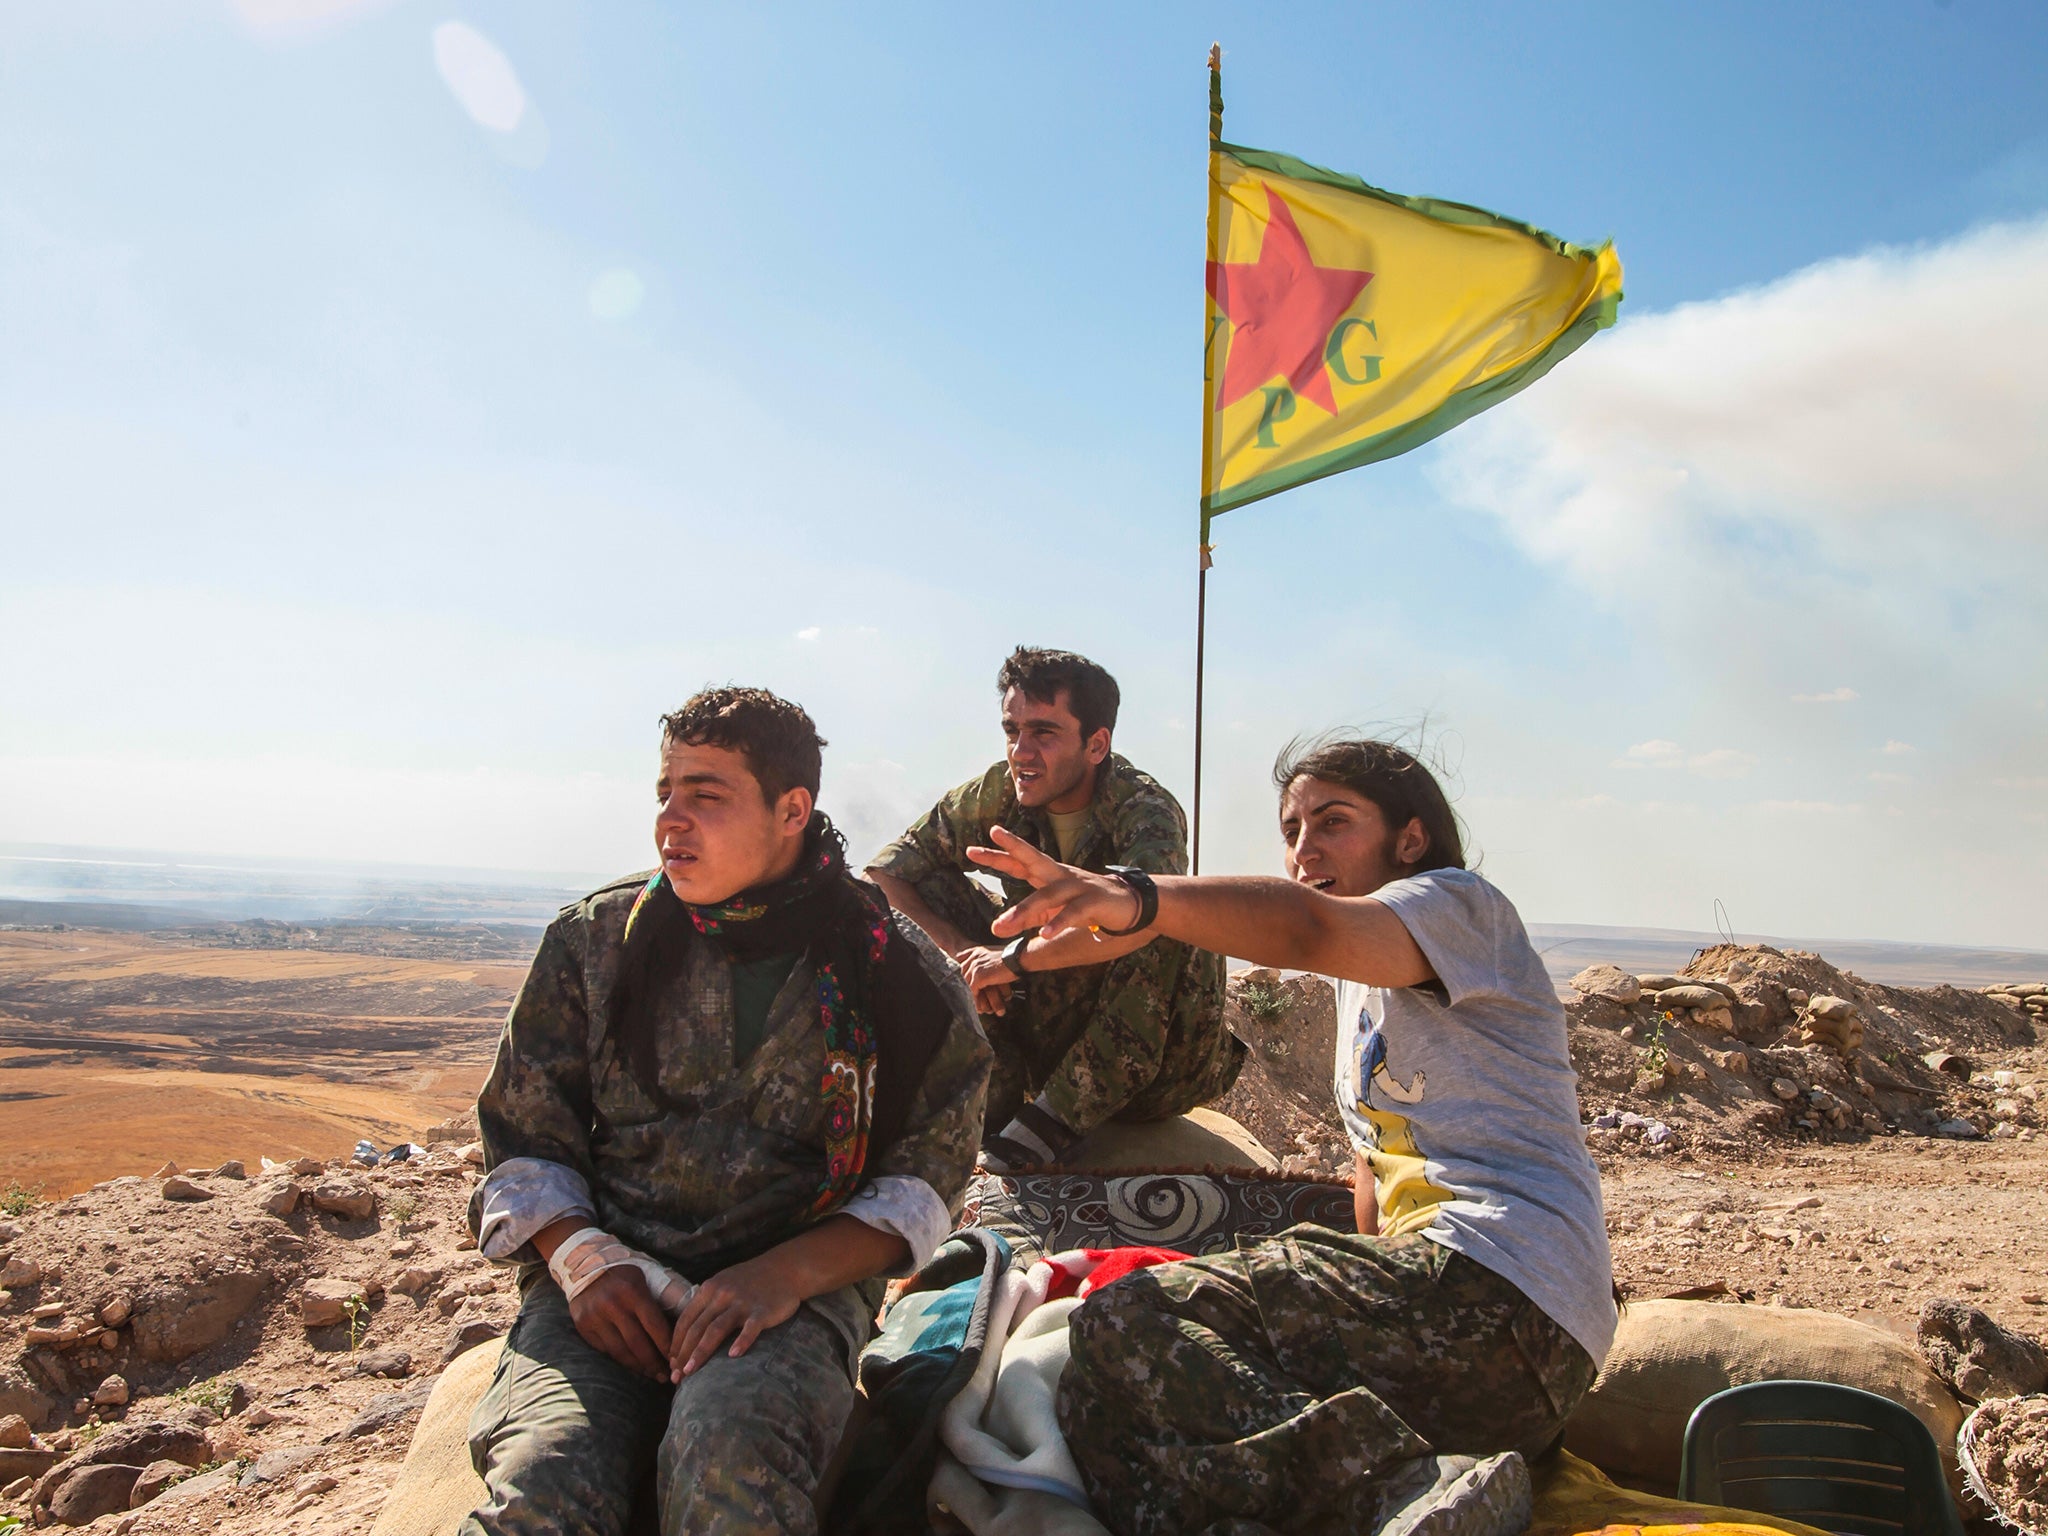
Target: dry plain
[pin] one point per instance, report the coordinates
(121, 1051)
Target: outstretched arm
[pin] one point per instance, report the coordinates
(1258, 918)
(904, 898)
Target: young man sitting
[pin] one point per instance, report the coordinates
(1083, 1032)
(1267, 1389)
(729, 1099)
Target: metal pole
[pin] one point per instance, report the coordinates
(1208, 458)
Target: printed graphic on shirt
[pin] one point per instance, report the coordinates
(1400, 1168)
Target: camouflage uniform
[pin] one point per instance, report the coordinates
(728, 1168)
(1276, 1387)
(1139, 1038)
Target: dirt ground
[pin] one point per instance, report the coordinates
(1857, 1194)
(119, 1051)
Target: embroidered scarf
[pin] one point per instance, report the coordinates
(843, 924)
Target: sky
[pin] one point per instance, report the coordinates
(402, 405)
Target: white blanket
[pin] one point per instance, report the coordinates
(1006, 1469)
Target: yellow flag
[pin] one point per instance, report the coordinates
(1347, 324)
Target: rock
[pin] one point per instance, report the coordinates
(390, 1408)
(91, 1491)
(117, 1309)
(174, 1319)
(1957, 1130)
(18, 1395)
(470, 1333)
(1610, 982)
(20, 1275)
(156, 1477)
(1719, 1020)
(306, 1167)
(275, 1466)
(8, 1233)
(16, 1488)
(178, 1187)
(1796, 996)
(383, 1362)
(324, 1302)
(1785, 1088)
(315, 1484)
(231, 1169)
(1977, 1356)
(14, 1433)
(111, 1393)
(280, 1197)
(473, 1154)
(458, 1129)
(166, 1171)
(29, 1461)
(411, 1282)
(344, 1195)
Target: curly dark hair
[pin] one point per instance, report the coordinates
(777, 738)
(1391, 777)
(1092, 694)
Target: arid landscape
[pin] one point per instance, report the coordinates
(205, 1273)
(119, 1051)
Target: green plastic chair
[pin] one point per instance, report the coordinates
(1825, 1455)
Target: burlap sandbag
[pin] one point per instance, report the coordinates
(1201, 1138)
(437, 1486)
(1671, 1356)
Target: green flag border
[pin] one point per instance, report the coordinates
(1460, 407)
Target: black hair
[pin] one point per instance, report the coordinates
(777, 738)
(1092, 695)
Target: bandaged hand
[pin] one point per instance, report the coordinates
(619, 1299)
(587, 1253)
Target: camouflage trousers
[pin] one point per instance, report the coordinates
(1140, 1038)
(564, 1437)
(1270, 1389)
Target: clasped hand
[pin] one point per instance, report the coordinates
(616, 1314)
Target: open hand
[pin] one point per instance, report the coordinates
(1065, 899)
(747, 1299)
(616, 1314)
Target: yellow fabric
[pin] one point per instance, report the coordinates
(1574, 1498)
(1066, 830)
(1447, 307)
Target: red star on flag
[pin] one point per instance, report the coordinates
(1282, 308)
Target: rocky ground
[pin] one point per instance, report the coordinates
(267, 1336)
(260, 1340)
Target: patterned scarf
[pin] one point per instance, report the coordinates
(821, 908)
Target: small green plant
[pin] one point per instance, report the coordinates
(215, 1393)
(402, 1207)
(16, 1200)
(9, 1524)
(1657, 1053)
(1265, 1004)
(358, 1311)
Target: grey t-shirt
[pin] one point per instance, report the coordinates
(1462, 1096)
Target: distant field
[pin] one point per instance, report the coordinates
(119, 1051)
(1568, 948)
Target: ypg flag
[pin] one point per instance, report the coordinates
(1348, 325)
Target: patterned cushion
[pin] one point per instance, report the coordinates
(1051, 1211)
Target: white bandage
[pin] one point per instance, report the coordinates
(589, 1251)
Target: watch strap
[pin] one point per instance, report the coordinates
(1147, 893)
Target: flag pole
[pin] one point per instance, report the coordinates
(1208, 459)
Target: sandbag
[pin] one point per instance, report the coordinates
(1201, 1138)
(437, 1486)
(1671, 1356)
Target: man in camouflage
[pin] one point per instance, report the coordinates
(655, 1117)
(1087, 1028)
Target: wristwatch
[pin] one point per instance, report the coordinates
(1013, 954)
(1148, 899)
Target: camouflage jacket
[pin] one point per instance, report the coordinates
(1132, 820)
(742, 1154)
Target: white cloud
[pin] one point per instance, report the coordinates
(810, 632)
(1832, 696)
(1876, 777)
(1897, 748)
(1720, 763)
(481, 78)
(616, 294)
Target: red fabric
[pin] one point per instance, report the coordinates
(1084, 1271)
